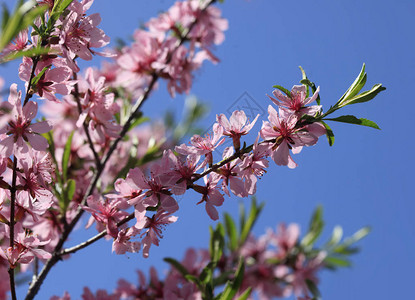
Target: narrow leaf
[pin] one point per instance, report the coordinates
(282, 89)
(65, 157)
(138, 121)
(304, 80)
(233, 286)
(354, 120)
(335, 262)
(356, 85)
(36, 79)
(253, 215)
(313, 289)
(178, 266)
(29, 53)
(329, 133)
(315, 228)
(68, 194)
(365, 96)
(245, 295)
(336, 236)
(5, 16)
(231, 232)
(217, 242)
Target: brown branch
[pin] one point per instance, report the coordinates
(29, 93)
(11, 225)
(94, 238)
(85, 125)
(34, 287)
(236, 155)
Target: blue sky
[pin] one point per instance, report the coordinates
(366, 178)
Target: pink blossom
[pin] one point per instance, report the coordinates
(4, 283)
(259, 273)
(99, 106)
(285, 238)
(210, 195)
(21, 129)
(66, 295)
(53, 81)
(287, 136)
(178, 289)
(19, 43)
(35, 193)
(79, 32)
(296, 102)
(25, 248)
(236, 126)
(157, 191)
(128, 290)
(305, 269)
(106, 213)
(100, 295)
(253, 166)
(203, 145)
(123, 243)
(153, 228)
(230, 176)
(181, 171)
(136, 61)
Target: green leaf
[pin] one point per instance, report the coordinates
(231, 232)
(178, 266)
(356, 86)
(336, 236)
(65, 157)
(217, 242)
(304, 79)
(315, 228)
(245, 294)
(36, 79)
(194, 279)
(329, 133)
(206, 275)
(357, 236)
(57, 10)
(365, 96)
(5, 16)
(222, 278)
(29, 53)
(70, 188)
(140, 120)
(332, 262)
(308, 84)
(68, 193)
(282, 89)
(253, 216)
(345, 248)
(233, 286)
(353, 120)
(242, 217)
(313, 289)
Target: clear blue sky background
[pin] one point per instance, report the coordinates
(366, 178)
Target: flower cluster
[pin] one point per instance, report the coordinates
(275, 266)
(89, 156)
(47, 168)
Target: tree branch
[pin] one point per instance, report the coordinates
(34, 287)
(85, 126)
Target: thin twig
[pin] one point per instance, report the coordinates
(34, 287)
(29, 94)
(94, 238)
(85, 125)
(11, 224)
